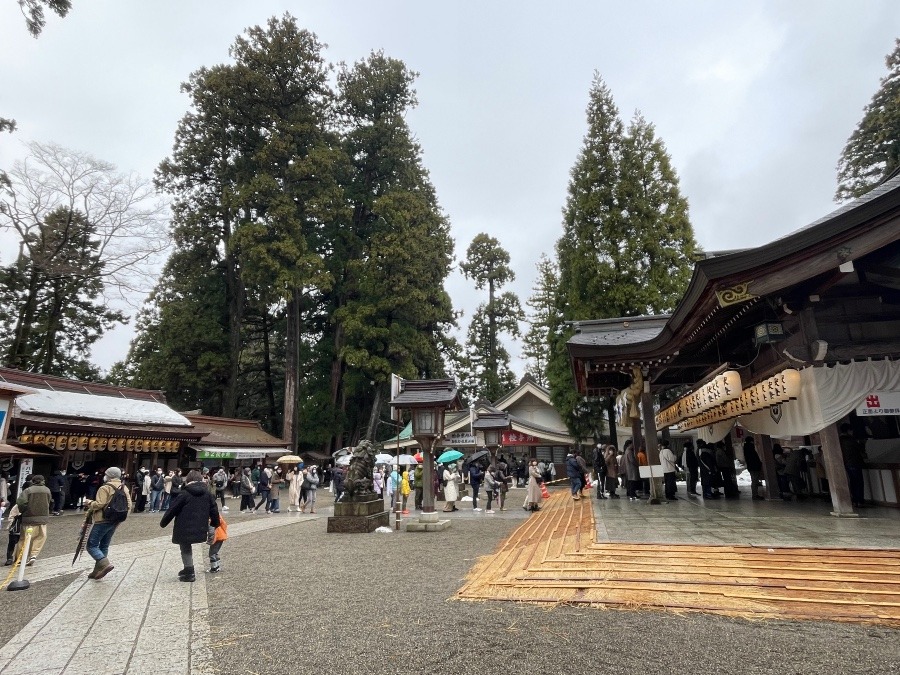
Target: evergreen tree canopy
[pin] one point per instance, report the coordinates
(627, 244)
(543, 319)
(872, 152)
(487, 360)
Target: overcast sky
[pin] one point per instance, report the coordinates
(753, 100)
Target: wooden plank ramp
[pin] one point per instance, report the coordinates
(553, 558)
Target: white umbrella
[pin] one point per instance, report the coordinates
(341, 452)
(404, 460)
(384, 458)
(343, 460)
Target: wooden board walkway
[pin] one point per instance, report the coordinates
(553, 558)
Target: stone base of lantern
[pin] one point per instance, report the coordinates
(427, 522)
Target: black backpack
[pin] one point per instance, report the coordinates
(116, 509)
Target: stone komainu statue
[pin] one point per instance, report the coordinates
(358, 482)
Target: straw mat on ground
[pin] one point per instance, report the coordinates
(553, 558)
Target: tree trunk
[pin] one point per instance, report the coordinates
(234, 292)
(337, 370)
(267, 370)
(375, 415)
(48, 350)
(611, 418)
(292, 362)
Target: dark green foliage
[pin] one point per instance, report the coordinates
(544, 317)
(51, 298)
(487, 370)
(627, 242)
(872, 152)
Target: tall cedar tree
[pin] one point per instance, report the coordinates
(487, 264)
(51, 298)
(872, 152)
(389, 262)
(543, 317)
(627, 243)
(252, 173)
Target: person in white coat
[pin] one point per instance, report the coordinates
(451, 488)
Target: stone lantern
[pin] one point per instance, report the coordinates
(427, 401)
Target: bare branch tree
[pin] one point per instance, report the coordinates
(127, 214)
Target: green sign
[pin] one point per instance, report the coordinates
(216, 454)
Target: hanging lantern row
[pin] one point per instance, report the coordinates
(99, 443)
(721, 389)
(780, 388)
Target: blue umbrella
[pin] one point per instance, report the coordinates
(449, 456)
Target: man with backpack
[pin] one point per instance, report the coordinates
(157, 486)
(111, 507)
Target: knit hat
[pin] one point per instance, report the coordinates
(113, 472)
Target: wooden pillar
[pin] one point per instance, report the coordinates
(770, 473)
(652, 447)
(427, 474)
(836, 473)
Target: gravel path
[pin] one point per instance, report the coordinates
(298, 600)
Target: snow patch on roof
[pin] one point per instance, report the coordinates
(104, 408)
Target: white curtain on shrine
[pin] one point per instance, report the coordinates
(827, 394)
(714, 433)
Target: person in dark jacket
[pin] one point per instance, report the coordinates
(34, 505)
(57, 485)
(692, 464)
(709, 472)
(573, 472)
(754, 467)
(194, 510)
(600, 469)
(337, 476)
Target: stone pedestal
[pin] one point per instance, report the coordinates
(359, 516)
(427, 522)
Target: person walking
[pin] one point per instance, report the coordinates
(599, 462)
(418, 486)
(247, 490)
(104, 528)
(853, 452)
(337, 479)
(574, 474)
(275, 485)
(669, 465)
(632, 472)
(709, 472)
(193, 511)
(476, 475)
(157, 484)
(754, 467)
(34, 505)
(692, 465)
(612, 471)
(143, 489)
(451, 491)
(219, 536)
(312, 487)
(490, 486)
(264, 488)
(533, 496)
(295, 480)
(405, 489)
(220, 482)
(57, 485)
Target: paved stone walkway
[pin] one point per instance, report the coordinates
(692, 520)
(114, 626)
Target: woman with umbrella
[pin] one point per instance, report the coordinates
(451, 491)
(194, 510)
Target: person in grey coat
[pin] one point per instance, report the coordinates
(632, 472)
(194, 510)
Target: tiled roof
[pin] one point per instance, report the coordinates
(422, 393)
(225, 431)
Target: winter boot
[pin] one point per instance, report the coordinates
(102, 568)
(187, 575)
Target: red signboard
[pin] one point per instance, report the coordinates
(517, 438)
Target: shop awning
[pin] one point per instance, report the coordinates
(6, 450)
(210, 452)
